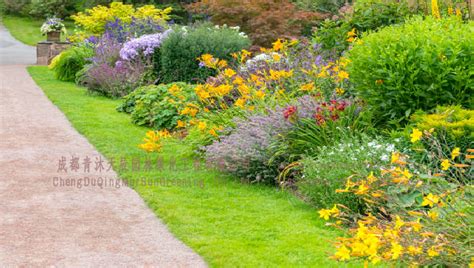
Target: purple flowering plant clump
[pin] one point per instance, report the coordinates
(123, 32)
(111, 76)
(247, 151)
(123, 57)
(144, 45)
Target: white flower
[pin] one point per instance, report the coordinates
(390, 148)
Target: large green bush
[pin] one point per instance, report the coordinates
(67, 64)
(39, 8)
(157, 106)
(177, 60)
(48, 8)
(17, 7)
(418, 65)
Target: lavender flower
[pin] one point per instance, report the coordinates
(110, 75)
(92, 40)
(247, 150)
(144, 45)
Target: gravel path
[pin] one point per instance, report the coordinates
(14, 52)
(45, 222)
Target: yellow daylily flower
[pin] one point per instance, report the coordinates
(416, 135)
(445, 164)
(430, 200)
(455, 153)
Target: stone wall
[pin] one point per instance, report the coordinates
(46, 51)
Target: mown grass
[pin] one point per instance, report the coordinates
(229, 223)
(27, 29)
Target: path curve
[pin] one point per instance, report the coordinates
(14, 52)
(45, 224)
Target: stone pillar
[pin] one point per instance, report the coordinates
(46, 51)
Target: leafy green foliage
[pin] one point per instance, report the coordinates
(16, 7)
(156, 106)
(67, 64)
(320, 5)
(418, 65)
(332, 35)
(39, 8)
(48, 8)
(446, 128)
(179, 52)
(375, 14)
(367, 15)
(309, 136)
(456, 122)
(329, 170)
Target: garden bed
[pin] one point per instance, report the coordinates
(225, 221)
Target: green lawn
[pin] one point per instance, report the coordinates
(228, 223)
(27, 30)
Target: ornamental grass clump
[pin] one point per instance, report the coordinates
(69, 62)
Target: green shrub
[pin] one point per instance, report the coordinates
(81, 5)
(418, 65)
(157, 106)
(320, 5)
(49, 8)
(309, 134)
(456, 122)
(446, 128)
(367, 15)
(179, 52)
(331, 35)
(17, 7)
(329, 170)
(375, 14)
(67, 64)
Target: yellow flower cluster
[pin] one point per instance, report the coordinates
(334, 70)
(378, 240)
(210, 62)
(94, 20)
(407, 235)
(152, 141)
